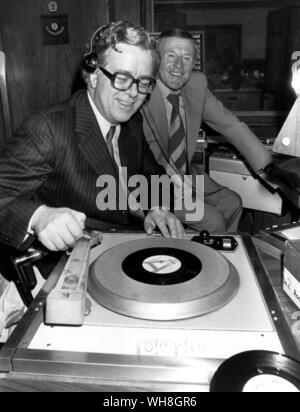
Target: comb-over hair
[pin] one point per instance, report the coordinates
(110, 35)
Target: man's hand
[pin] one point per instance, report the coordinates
(166, 222)
(58, 228)
(280, 176)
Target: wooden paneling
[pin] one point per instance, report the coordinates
(138, 12)
(40, 75)
(147, 14)
(127, 10)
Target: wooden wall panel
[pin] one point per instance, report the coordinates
(136, 11)
(40, 75)
(127, 10)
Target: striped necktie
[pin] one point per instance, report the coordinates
(138, 214)
(109, 144)
(177, 138)
(109, 139)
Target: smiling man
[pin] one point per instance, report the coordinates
(49, 171)
(172, 118)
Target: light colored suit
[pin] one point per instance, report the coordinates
(222, 206)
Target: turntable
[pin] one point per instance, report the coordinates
(165, 312)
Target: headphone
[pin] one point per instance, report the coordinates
(99, 40)
(90, 59)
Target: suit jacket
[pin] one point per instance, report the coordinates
(56, 158)
(201, 105)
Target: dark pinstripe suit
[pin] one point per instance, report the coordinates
(56, 158)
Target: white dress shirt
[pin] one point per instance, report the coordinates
(105, 127)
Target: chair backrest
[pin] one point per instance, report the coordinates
(5, 116)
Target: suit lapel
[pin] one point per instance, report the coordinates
(129, 136)
(192, 105)
(91, 141)
(155, 113)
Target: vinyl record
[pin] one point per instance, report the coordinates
(257, 371)
(162, 266)
(193, 279)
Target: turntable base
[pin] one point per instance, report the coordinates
(162, 279)
(242, 324)
(111, 346)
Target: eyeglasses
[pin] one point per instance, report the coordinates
(123, 81)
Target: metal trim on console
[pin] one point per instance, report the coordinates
(284, 333)
(29, 324)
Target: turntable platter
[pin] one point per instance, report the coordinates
(162, 279)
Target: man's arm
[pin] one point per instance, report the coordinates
(24, 166)
(27, 162)
(236, 133)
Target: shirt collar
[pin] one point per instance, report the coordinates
(166, 91)
(103, 123)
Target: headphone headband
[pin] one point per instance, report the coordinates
(109, 35)
(90, 59)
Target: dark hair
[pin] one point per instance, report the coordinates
(176, 32)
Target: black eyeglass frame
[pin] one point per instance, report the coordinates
(112, 78)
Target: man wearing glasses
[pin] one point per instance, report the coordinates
(49, 172)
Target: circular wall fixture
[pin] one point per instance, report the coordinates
(52, 6)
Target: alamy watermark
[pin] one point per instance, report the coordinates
(184, 194)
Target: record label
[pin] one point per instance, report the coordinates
(162, 264)
(269, 383)
(257, 371)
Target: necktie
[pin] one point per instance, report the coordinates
(177, 138)
(125, 192)
(109, 144)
